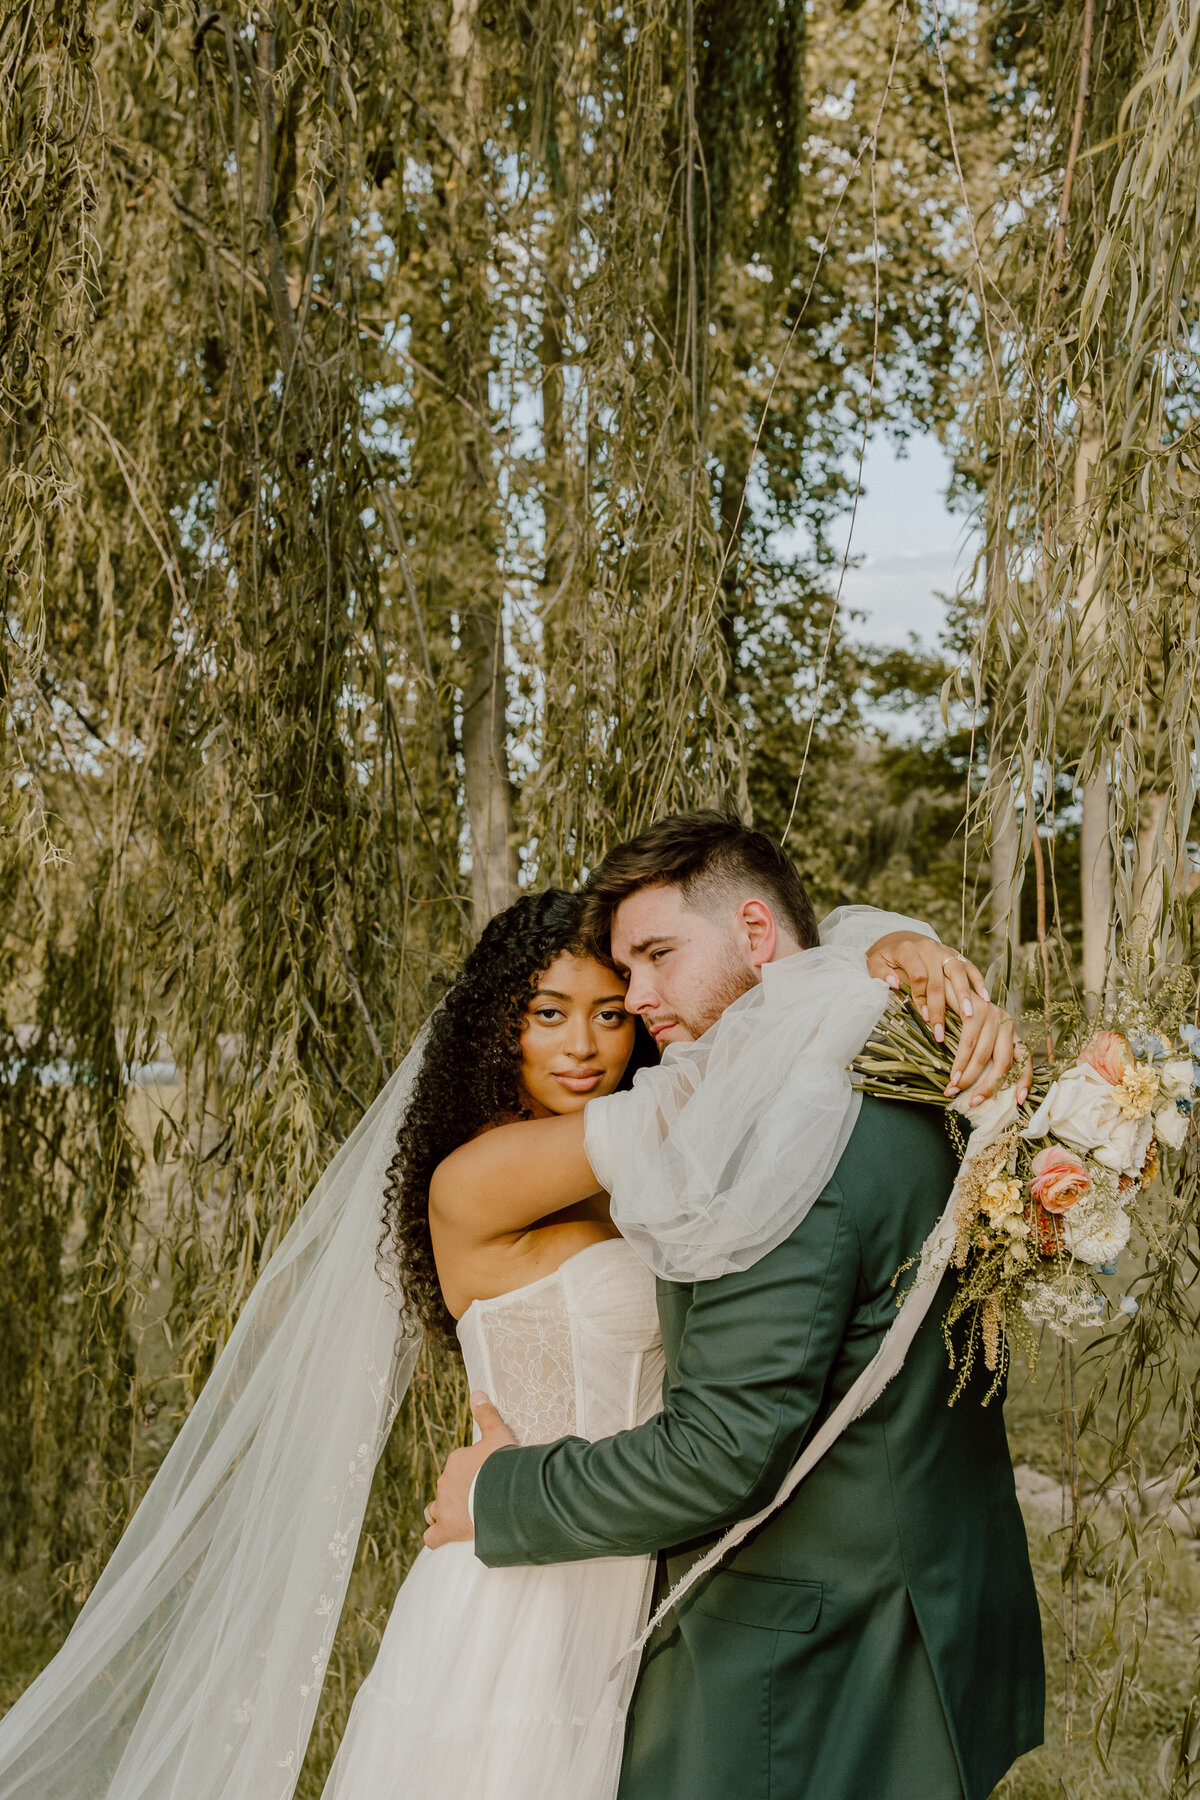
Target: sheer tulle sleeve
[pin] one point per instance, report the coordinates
(858, 927)
(715, 1156)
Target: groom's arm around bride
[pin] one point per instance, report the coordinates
(876, 1639)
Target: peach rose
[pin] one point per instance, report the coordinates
(1059, 1178)
(1110, 1056)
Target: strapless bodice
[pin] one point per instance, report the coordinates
(576, 1354)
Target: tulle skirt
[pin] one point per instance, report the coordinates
(497, 1684)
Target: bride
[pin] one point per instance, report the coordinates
(494, 1683)
(194, 1670)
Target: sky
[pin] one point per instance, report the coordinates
(909, 545)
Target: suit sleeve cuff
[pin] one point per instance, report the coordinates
(499, 1539)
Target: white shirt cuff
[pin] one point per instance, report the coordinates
(471, 1498)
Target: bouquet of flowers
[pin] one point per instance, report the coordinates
(1045, 1202)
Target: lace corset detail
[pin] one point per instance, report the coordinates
(576, 1354)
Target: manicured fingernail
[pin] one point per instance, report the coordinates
(968, 1010)
(893, 981)
(925, 1014)
(951, 1090)
(986, 997)
(977, 1100)
(939, 1033)
(956, 1078)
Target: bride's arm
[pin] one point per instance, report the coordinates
(512, 1176)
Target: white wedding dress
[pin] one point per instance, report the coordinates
(494, 1684)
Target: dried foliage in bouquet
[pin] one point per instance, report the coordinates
(1047, 1192)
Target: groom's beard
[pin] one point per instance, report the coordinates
(728, 984)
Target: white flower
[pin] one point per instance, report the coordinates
(990, 1117)
(1082, 1110)
(1097, 1240)
(1128, 1142)
(1175, 1078)
(1171, 1126)
(1062, 1305)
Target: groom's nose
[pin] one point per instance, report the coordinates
(641, 995)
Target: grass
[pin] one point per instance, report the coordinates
(1151, 1636)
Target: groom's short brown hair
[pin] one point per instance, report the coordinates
(701, 853)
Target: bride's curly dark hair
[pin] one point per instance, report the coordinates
(469, 1078)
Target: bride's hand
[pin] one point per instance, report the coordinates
(987, 1046)
(932, 972)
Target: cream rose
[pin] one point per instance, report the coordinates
(1080, 1109)
(1083, 1110)
(1124, 1150)
(1175, 1077)
(1171, 1126)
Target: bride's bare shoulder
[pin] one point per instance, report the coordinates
(519, 1170)
(464, 1166)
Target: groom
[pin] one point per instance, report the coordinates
(878, 1637)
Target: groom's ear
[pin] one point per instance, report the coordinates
(755, 923)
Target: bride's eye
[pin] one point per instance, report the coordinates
(549, 1015)
(613, 1015)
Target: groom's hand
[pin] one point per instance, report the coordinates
(449, 1516)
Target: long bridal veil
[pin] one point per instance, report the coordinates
(194, 1670)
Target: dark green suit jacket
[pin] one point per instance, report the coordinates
(878, 1637)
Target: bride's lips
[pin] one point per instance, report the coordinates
(579, 1081)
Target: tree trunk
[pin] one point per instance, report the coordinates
(1152, 854)
(1096, 878)
(1095, 843)
(1005, 876)
(561, 548)
(485, 764)
(489, 792)
(735, 461)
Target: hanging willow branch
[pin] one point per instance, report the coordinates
(1083, 433)
(48, 267)
(1090, 441)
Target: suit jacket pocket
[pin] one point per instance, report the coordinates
(771, 1603)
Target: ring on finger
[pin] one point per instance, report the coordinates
(429, 1518)
(953, 959)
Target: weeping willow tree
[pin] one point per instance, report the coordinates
(404, 409)
(398, 403)
(1082, 437)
